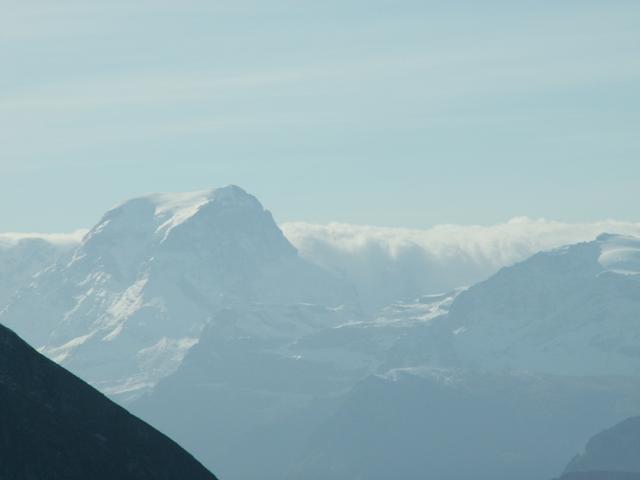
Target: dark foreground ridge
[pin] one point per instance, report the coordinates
(600, 476)
(613, 454)
(55, 426)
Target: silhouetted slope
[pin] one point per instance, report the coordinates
(616, 449)
(414, 424)
(55, 426)
(600, 476)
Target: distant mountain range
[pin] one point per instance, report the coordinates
(54, 426)
(424, 356)
(197, 313)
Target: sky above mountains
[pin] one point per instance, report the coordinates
(401, 114)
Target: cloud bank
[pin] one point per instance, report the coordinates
(392, 263)
(62, 240)
(389, 264)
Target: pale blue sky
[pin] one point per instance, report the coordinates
(400, 113)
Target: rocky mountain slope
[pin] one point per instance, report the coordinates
(124, 308)
(573, 310)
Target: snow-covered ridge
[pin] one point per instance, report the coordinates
(572, 310)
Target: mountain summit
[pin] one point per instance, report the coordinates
(216, 225)
(124, 307)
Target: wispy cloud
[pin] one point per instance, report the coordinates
(131, 89)
(400, 85)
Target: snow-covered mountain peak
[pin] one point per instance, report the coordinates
(172, 209)
(139, 289)
(158, 213)
(217, 225)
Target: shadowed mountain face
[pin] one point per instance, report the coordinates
(616, 449)
(460, 425)
(54, 426)
(600, 476)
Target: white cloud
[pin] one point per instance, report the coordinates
(391, 263)
(388, 264)
(72, 239)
